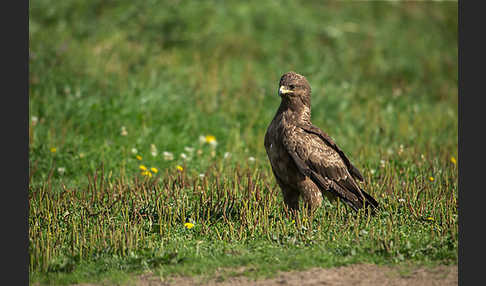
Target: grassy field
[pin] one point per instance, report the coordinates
(147, 121)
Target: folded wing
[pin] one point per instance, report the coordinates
(317, 156)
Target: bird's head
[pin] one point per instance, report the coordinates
(294, 88)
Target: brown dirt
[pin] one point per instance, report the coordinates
(359, 274)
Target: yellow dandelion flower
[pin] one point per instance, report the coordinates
(147, 173)
(139, 158)
(154, 170)
(430, 218)
(431, 179)
(53, 150)
(188, 225)
(142, 167)
(453, 160)
(179, 168)
(210, 138)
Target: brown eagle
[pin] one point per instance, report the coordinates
(305, 161)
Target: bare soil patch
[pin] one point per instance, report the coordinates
(359, 274)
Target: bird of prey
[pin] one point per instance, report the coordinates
(305, 161)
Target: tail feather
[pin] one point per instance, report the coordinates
(354, 200)
(370, 201)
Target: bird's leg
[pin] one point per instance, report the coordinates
(291, 199)
(311, 194)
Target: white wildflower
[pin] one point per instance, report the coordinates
(183, 156)
(401, 200)
(202, 139)
(227, 155)
(134, 151)
(168, 156)
(400, 150)
(123, 131)
(153, 150)
(34, 120)
(251, 159)
(61, 170)
(201, 175)
(382, 163)
(189, 149)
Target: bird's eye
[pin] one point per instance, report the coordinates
(292, 86)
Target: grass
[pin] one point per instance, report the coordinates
(110, 81)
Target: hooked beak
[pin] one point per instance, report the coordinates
(283, 90)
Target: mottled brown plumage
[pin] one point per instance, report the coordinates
(305, 161)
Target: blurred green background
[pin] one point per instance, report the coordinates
(107, 77)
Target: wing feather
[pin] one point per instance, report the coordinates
(328, 140)
(327, 166)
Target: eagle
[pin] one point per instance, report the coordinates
(305, 161)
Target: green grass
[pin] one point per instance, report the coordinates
(384, 79)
